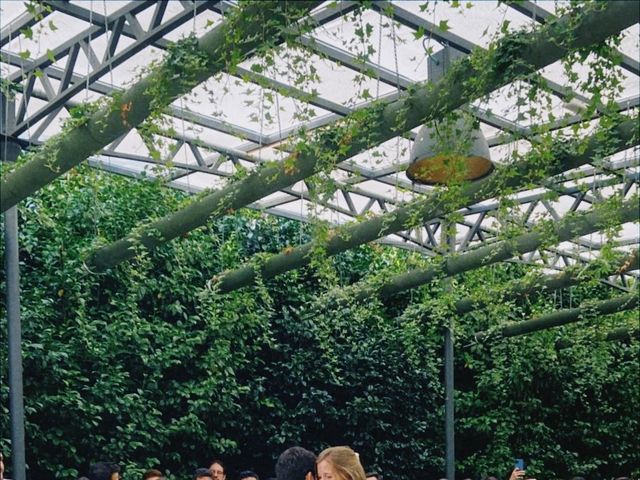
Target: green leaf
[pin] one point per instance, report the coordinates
(27, 32)
(368, 29)
(443, 26)
(504, 28)
(418, 34)
(25, 54)
(32, 8)
(51, 56)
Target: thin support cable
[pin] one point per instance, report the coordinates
(184, 142)
(379, 55)
(195, 14)
(86, 91)
(397, 72)
(109, 57)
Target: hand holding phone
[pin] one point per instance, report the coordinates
(518, 471)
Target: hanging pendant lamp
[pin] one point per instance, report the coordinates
(449, 152)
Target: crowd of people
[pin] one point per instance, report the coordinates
(295, 463)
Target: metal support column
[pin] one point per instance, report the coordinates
(448, 241)
(9, 151)
(437, 66)
(450, 457)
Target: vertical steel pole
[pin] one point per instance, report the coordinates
(449, 405)
(9, 151)
(448, 240)
(438, 65)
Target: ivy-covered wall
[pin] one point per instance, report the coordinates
(146, 366)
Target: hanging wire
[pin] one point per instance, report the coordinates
(397, 72)
(109, 60)
(5, 99)
(261, 141)
(184, 142)
(7, 103)
(426, 45)
(195, 14)
(106, 26)
(22, 78)
(379, 56)
(86, 91)
(183, 112)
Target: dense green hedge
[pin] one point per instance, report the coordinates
(144, 366)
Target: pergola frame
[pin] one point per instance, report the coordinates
(407, 239)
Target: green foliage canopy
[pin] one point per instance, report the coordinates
(141, 366)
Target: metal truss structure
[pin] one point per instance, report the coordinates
(56, 55)
(107, 38)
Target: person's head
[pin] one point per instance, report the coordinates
(248, 475)
(296, 463)
(373, 476)
(339, 463)
(104, 471)
(153, 474)
(217, 469)
(202, 474)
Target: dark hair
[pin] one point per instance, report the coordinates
(202, 472)
(373, 474)
(294, 463)
(152, 473)
(103, 470)
(248, 473)
(219, 462)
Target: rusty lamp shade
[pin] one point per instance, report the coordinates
(435, 160)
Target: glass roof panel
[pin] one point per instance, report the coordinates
(198, 25)
(630, 43)
(479, 24)
(100, 7)
(231, 120)
(10, 11)
(373, 38)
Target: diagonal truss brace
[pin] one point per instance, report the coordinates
(381, 124)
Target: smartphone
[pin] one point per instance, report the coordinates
(519, 464)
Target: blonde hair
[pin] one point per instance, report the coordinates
(345, 461)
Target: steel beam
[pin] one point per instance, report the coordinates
(535, 11)
(9, 151)
(564, 317)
